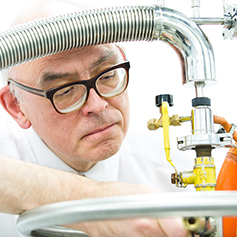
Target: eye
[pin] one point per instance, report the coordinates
(108, 75)
(65, 91)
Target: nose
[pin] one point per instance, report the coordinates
(94, 104)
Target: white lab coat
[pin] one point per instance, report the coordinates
(141, 159)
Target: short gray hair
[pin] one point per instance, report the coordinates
(14, 90)
(4, 76)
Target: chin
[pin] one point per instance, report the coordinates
(106, 151)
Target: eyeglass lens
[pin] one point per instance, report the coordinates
(73, 97)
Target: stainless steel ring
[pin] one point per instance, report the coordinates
(186, 204)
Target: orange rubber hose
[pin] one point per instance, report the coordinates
(225, 125)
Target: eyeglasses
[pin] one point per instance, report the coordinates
(72, 96)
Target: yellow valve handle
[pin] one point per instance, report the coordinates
(166, 123)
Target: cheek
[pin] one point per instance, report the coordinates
(49, 124)
(34, 103)
(39, 111)
(127, 111)
(122, 104)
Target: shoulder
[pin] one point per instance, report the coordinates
(13, 142)
(146, 145)
(9, 128)
(149, 145)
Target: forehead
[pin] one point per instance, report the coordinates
(82, 60)
(87, 55)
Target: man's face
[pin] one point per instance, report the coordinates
(90, 134)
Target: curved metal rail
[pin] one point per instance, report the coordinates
(57, 231)
(217, 203)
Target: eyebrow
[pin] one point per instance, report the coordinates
(53, 76)
(50, 77)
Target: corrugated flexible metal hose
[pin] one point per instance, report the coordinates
(56, 34)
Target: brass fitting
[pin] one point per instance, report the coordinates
(200, 225)
(154, 124)
(175, 120)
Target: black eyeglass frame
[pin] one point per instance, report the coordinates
(90, 83)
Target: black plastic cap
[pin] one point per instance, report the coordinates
(164, 98)
(201, 101)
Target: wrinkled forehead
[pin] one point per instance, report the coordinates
(80, 60)
(87, 55)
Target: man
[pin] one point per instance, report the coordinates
(78, 127)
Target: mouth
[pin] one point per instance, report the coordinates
(99, 131)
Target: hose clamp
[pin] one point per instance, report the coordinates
(232, 129)
(230, 23)
(158, 22)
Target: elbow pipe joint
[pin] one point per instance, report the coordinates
(191, 45)
(56, 34)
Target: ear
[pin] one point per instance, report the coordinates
(11, 105)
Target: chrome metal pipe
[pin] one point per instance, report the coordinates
(202, 120)
(52, 35)
(148, 205)
(199, 89)
(193, 48)
(195, 5)
(58, 231)
(208, 21)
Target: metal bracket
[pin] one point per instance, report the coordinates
(230, 25)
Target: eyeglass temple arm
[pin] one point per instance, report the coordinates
(28, 89)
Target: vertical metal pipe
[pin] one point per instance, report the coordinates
(195, 5)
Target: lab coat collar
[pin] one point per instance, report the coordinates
(104, 171)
